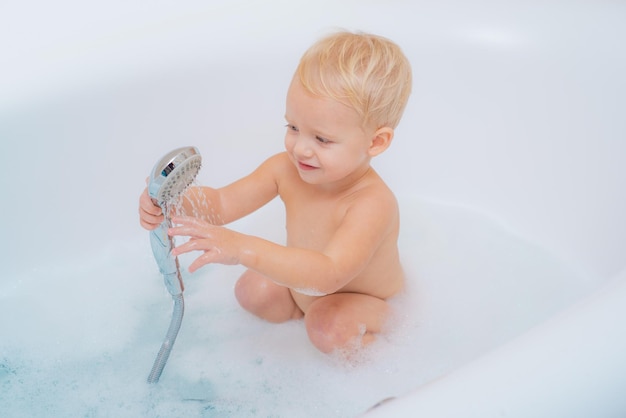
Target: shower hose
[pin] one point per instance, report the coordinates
(170, 339)
(168, 180)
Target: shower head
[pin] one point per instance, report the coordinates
(173, 174)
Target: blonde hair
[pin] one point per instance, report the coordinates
(367, 72)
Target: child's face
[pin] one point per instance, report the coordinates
(325, 139)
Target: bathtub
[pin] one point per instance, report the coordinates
(509, 166)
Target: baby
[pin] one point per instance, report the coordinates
(340, 263)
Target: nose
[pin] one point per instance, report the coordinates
(302, 148)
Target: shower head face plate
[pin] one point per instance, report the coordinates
(172, 175)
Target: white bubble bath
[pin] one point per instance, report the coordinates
(508, 167)
(85, 336)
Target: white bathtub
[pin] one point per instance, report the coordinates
(509, 166)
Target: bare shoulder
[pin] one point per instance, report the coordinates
(376, 195)
(285, 174)
(374, 204)
(278, 161)
(271, 170)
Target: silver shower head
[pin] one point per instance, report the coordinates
(173, 174)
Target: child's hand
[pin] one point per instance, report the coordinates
(150, 215)
(219, 244)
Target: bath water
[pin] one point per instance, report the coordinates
(78, 337)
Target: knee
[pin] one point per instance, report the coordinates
(265, 299)
(252, 292)
(329, 327)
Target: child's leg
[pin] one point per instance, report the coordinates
(259, 295)
(342, 319)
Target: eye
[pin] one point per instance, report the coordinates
(291, 127)
(323, 140)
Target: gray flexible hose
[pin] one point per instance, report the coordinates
(170, 339)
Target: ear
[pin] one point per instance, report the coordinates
(381, 140)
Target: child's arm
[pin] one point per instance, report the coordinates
(349, 251)
(227, 204)
(219, 206)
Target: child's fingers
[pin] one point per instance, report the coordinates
(150, 215)
(192, 231)
(207, 258)
(147, 226)
(189, 221)
(150, 222)
(147, 205)
(191, 245)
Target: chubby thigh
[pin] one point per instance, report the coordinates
(335, 321)
(262, 297)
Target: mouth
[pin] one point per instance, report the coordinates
(306, 167)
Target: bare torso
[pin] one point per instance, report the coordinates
(313, 216)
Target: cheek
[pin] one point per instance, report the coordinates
(288, 142)
(341, 160)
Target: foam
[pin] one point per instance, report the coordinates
(93, 328)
